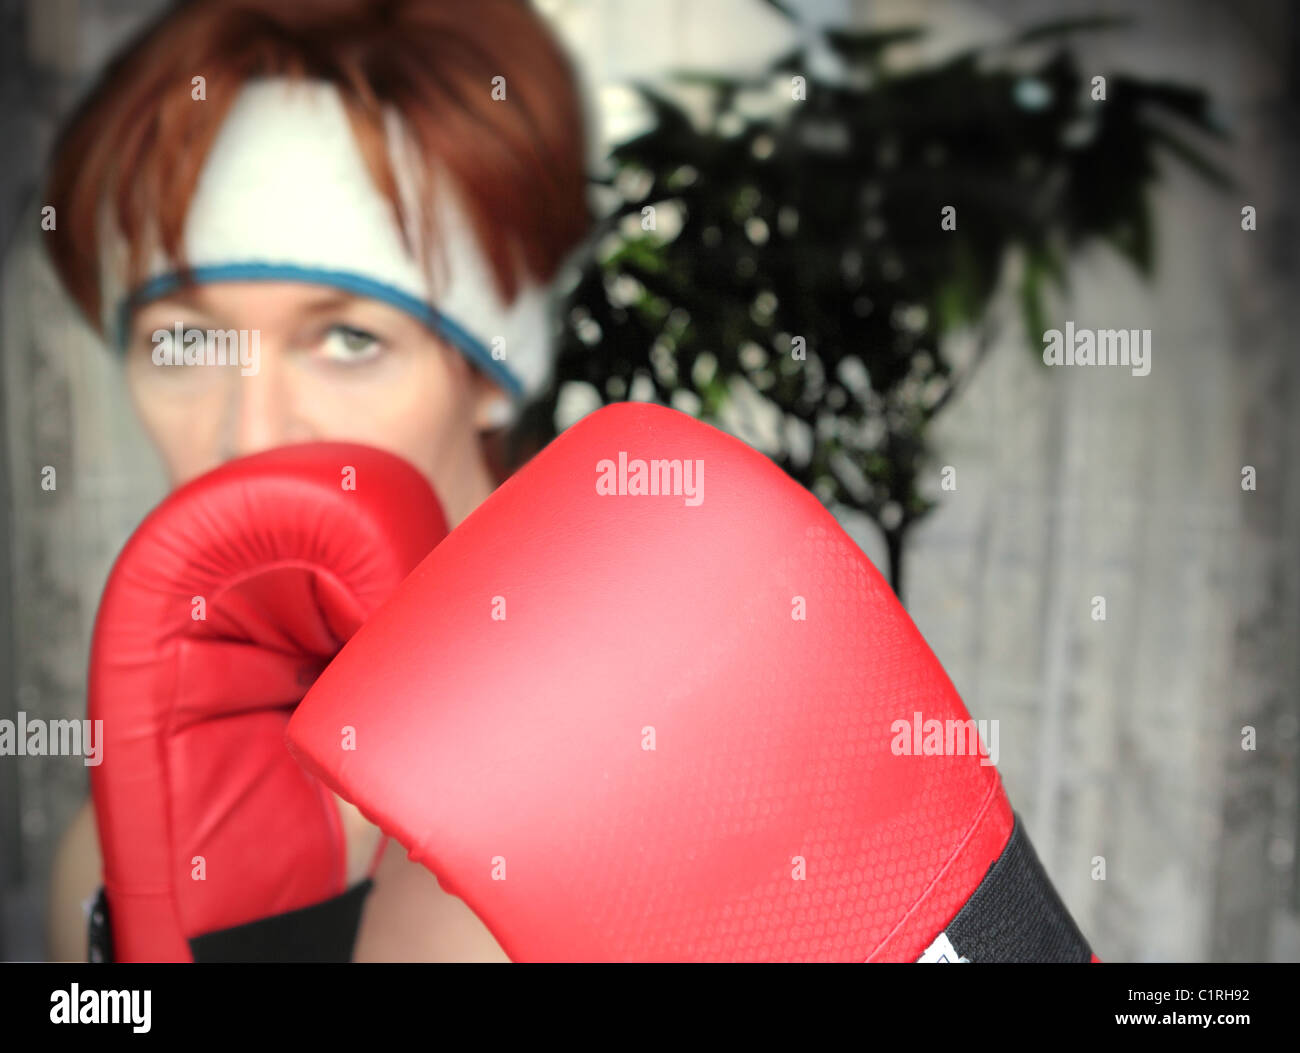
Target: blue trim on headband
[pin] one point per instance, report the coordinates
(456, 334)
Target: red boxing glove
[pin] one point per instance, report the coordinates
(220, 612)
(650, 702)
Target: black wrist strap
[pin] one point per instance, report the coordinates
(99, 938)
(1015, 915)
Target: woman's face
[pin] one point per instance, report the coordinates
(319, 364)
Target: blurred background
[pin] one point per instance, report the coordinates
(771, 176)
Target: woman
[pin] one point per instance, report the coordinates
(369, 199)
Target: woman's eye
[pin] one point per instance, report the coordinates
(343, 343)
(161, 347)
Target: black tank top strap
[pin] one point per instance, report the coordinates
(323, 932)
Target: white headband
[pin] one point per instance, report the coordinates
(285, 196)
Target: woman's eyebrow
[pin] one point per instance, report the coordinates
(178, 303)
(326, 301)
(148, 322)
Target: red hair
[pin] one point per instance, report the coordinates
(139, 141)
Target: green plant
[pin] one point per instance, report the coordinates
(819, 220)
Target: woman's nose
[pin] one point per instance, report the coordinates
(261, 414)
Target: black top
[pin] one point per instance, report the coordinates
(323, 932)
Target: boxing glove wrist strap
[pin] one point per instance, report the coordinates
(1014, 915)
